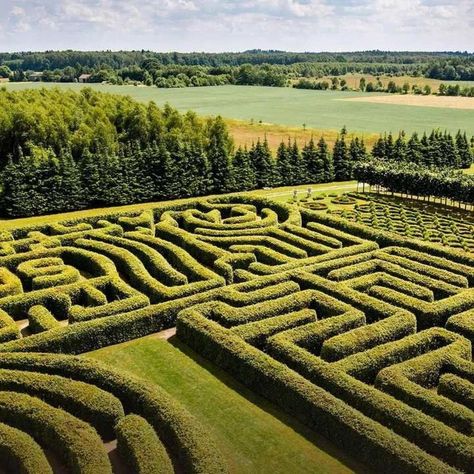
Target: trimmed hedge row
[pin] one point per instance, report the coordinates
(10, 284)
(256, 333)
(333, 418)
(190, 445)
(74, 442)
(140, 448)
(8, 328)
(348, 379)
(19, 453)
(86, 402)
(40, 319)
(395, 327)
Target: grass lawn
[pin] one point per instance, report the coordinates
(253, 435)
(321, 110)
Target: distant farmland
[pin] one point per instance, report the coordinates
(322, 110)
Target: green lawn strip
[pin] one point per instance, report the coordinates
(254, 436)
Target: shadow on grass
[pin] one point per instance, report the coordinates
(267, 406)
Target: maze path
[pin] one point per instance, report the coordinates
(364, 335)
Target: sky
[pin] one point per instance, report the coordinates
(237, 25)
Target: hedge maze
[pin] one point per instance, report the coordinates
(382, 212)
(364, 335)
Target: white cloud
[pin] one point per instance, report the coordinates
(237, 25)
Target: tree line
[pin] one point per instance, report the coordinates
(268, 68)
(63, 150)
(416, 180)
(438, 149)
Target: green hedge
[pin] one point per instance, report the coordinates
(87, 402)
(40, 319)
(74, 442)
(356, 434)
(140, 448)
(190, 445)
(20, 454)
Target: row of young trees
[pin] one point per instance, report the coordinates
(416, 180)
(438, 149)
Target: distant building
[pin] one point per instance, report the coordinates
(4, 79)
(35, 76)
(85, 78)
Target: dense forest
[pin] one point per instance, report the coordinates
(268, 68)
(63, 150)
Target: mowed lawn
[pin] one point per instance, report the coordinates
(253, 435)
(322, 110)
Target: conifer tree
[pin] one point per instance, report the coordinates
(219, 152)
(326, 160)
(283, 166)
(342, 171)
(244, 174)
(414, 149)
(297, 169)
(263, 165)
(464, 150)
(312, 163)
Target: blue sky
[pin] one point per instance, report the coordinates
(230, 25)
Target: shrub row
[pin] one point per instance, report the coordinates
(190, 445)
(360, 339)
(140, 448)
(333, 418)
(256, 333)
(73, 441)
(87, 402)
(8, 328)
(350, 379)
(10, 284)
(40, 319)
(19, 453)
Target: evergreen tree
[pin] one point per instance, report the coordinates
(297, 168)
(378, 150)
(262, 163)
(283, 165)
(244, 174)
(342, 170)
(357, 151)
(464, 150)
(413, 152)
(400, 148)
(71, 186)
(219, 152)
(326, 161)
(91, 178)
(312, 163)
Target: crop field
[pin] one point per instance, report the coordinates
(359, 334)
(320, 110)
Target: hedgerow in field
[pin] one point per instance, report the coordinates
(364, 335)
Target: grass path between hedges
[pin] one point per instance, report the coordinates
(253, 435)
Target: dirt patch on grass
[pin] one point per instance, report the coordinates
(466, 103)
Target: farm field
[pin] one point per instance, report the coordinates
(320, 110)
(253, 435)
(360, 334)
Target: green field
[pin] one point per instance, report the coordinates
(252, 434)
(293, 107)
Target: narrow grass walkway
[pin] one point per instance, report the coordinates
(253, 435)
